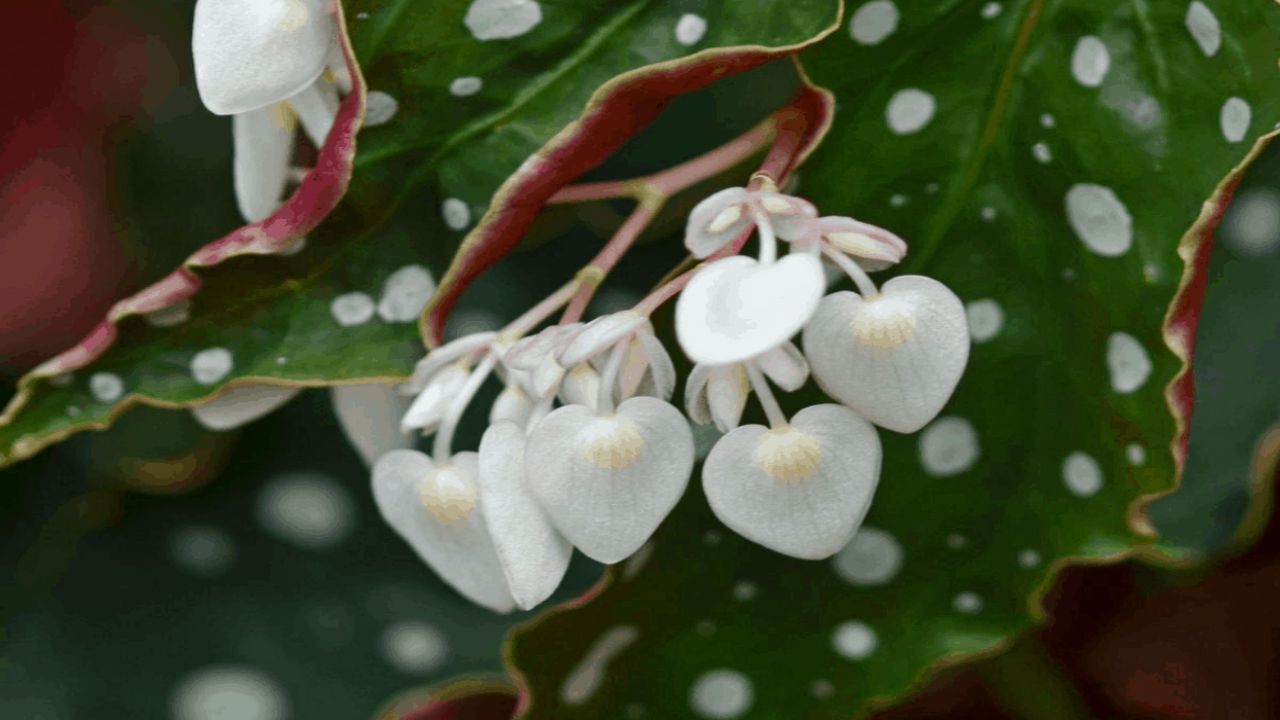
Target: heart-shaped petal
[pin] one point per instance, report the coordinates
(534, 556)
(436, 510)
(894, 359)
(263, 145)
(802, 489)
(242, 404)
(608, 481)
(251, 53)
(735, 308)
(370, 414)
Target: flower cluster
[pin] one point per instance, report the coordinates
(584, 449)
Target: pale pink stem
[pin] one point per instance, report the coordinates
(598, 269)
(543, 310)
(672, 180)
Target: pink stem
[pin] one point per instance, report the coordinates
(594, 273)
(672, 180)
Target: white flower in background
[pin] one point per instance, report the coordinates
(263, 62)
(736, 308)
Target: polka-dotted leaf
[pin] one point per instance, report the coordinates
(462, 95)
(1046, 161)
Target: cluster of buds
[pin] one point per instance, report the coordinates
(585, 450)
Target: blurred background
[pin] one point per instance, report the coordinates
(161, 570)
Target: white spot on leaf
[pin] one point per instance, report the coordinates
(1252, 226)
(106, 387)
(502, 19)
(1081, 474)
(967, 603)
(414, 648)
(909, 111)
(990, 10)
(1234, 118)
(175, 314)
(873, 22)
(690, 29)
(1047, 121)
(1090, 61)
(351, 309)
(1127, 362)
(222, 692)
(310, 510)
(1099, 219)
(1041, 152)
(456, 214)
(405, 293)
(465, 86)
(854, 640)
(1028, 558)
(949, 446)
(872, 557)
(1136, 454)
(985, 319)
(379, 108)
(1204, 28)
(721, 695)
(211, 365)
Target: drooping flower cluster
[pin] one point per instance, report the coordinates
(584, 449)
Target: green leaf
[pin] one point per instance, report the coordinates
(553, 103)
(1061, 197)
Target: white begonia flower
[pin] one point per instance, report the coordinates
(536, 356)
(513, 404)
(252, 53)
(646, 367)
(533, 556)
(718, 394)
(241, 405)
(607, 480)
(726, 215)
(436, 508)
(737, 308)
(893, 356)
(369, 414)
(465, 347)
(800, 488)
(580, 385)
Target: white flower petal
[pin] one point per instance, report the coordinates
(801, 490)
(512, 405)
(786, 367)
(263, 141)
(446, 355)
(242, 404)
(608, 481)
(458, 549)
(534, 556)
(370, 414)
(735, 308)
(660, 381)
(546, 377)
(251, 53)
(429, 408)
(317, 107)
(894, 360)
(727, 391)
(599, 335)
(873, 247)
(580, 386)
(695, 395)
(529, 352)
(788, 214)
(717, 220)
